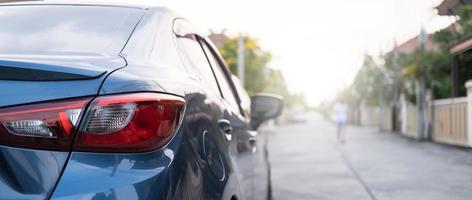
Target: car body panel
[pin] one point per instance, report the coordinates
(180, 170)
(191, 170)
(261, 166)
(29, 174)
(15, 92)
(119, 176)
(88, 65)
(242, 135)
(200, 161)
(33, 174)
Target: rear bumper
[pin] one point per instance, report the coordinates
(29, 174)
(99, 176)
(118, 176)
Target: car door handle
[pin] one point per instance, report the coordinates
(225, 126)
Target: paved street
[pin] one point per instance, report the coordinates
(308, 163)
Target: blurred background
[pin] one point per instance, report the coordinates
(315, 52)
(400, 67)
(312, 49)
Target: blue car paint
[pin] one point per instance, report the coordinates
(33, 174)
(29, 174)
(116, 176)
(178, 171)
(21, 92)
(200, 162)
(85, 73)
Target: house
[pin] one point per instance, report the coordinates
(449, 7)
(459, 47)
(219, 39)
(450, 119)
(403, 113)
(412, 44)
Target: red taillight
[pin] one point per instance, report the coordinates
(130, 123)
(137, 122)
(41, 126)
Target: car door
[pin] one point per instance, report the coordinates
(261, 154)
(242, 137)
(203, 112)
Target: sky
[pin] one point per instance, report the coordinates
(318, 44)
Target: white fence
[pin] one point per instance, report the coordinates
(449, 121)
(409, 120)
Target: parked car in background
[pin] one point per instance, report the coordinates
(108, 101)
(297, 117)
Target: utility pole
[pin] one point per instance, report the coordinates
(381, 99)
(421, 90)
(396, 89)
(241, 67)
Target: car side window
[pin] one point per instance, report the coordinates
(223, 81)
(245, 101)
(197, 61)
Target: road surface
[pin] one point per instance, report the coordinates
(308, 163)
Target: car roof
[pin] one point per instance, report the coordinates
(73, 3)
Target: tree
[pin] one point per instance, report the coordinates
(440, 74)
(258, 76)
(462, 28)
(436, 68)
(255, 61)
(369, 82)
(276, 83)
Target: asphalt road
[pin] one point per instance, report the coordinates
(308, 163)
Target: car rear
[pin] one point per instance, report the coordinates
(53, 61)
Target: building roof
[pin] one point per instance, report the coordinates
(218, 38)
(449, 7)
(410, 45)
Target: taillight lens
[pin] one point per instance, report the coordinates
(48, 125)
(136, 122)
(130, 123)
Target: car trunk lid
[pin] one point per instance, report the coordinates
(29, 173)
(34, 78)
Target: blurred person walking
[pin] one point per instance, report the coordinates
(340, 118)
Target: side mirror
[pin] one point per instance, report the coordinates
(265, 107)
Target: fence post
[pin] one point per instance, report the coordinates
(404, 114)
(468, 86)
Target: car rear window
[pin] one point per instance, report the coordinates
(65, 28)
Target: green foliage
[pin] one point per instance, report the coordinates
(276, 83)
(465, 71)
(400, 71)
(375, 84)
(436, 67)
(258, 76)
(368, 83)
(447, 36)
(255, 61)
(371, 85)
(439, 74)
(444, 37)
(465, 19)
(465, 59)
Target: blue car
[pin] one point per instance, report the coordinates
(105, 101)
